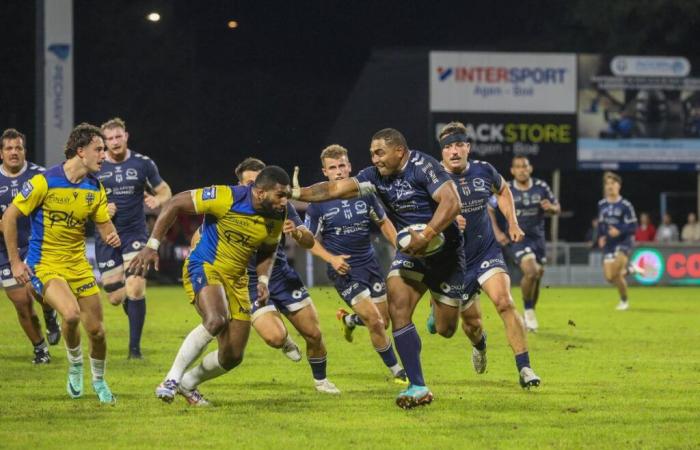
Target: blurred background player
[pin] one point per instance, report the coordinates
(14, 171)
(617, 224)
(60, 201)
(127, 177)
(344, 226)
(288, 295)
(238, 221)
(486, 268)
(533, 200)
(415, 190)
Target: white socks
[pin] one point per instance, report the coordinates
(209, 368)
(97, 366)
(191, 348)
(75, 355)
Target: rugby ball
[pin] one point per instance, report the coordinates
(403, 238)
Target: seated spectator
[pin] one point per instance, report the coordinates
(668, 231)
(646, 232)
(691, 230)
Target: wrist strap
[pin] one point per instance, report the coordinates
(264, 279)
(153, 243)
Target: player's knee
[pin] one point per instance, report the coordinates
(610, 277)
(95, 332)
(71, 318)
(313, 337)
(230, 358)
(446, 329)
(117, 297)
(504, 304)
(135, 287)
(115, 291)
(215, 323)
(530, 273)
(275, 339)
(471, 325)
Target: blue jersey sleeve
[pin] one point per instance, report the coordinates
(376, 210)
(429, 173)
(496, 177)
(629, 222)
(312, 221)
(368, 174)
(493, 202)
(548, 193)
(152, 174)
(293, 215)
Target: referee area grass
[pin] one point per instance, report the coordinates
(609, 380)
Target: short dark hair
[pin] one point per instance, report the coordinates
(11, 133)
(81, 136)
(271, 176)
(521, 156)
(247, 164)
(392, 137)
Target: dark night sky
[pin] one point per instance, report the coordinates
(197, 96)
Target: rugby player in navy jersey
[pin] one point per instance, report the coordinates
(14, 171)
(533, 201)
(617, 223)
(127, 176)
(415, 189)
(288, 296)
(344, 226)
(486, 268)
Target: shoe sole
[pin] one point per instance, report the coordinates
(529, 384)
(411, 402)
(166, 397)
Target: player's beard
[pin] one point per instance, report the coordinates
(267, 208)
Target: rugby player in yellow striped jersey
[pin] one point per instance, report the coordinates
(239, 220)
(59, 202)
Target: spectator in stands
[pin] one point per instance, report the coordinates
(592, 234)
(646, 231)
(691, 230)
(668, 231)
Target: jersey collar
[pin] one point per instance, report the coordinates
(529, 185)
(8, 175)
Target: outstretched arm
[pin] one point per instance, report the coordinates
(328, 190)
(182, 203)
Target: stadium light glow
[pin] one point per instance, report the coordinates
(232, 24)
(153, 17)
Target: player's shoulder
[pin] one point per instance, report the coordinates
(539, 183)
(33, 168)
(140, 156)
(602, 202)
(627, 203)
(91, 182)
(141, 159)
(483, 166)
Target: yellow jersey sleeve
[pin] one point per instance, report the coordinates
(274, 234)
(213, 200)
(99, 214)
(32, 194)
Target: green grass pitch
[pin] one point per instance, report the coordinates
(609, 380)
